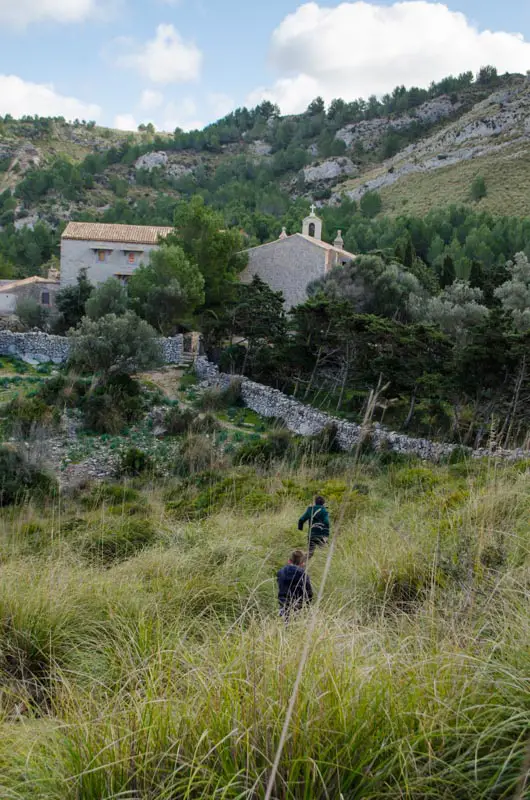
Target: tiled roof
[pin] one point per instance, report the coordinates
(10, 285)
(127, 234)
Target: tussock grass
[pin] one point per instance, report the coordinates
(165, 673)
(506, 177)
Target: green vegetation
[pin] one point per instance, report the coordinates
(32, 314)
(70, 302)
(109, 297)
(478, 188)
(114, 345)
(20, 480)
(85, 171)
(141, 650)
(506, 177)
(216, 252)
(167, 290)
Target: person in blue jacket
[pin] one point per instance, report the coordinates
(318, 518)
(294, 585)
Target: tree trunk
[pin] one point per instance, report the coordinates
(411, 410)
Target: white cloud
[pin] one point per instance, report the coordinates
(23, 12)
(359, 48)
(167, 58)
(220, 104)
(125, 122)
(19, 97)
(150, 100)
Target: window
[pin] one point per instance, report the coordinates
(312, 228)
(45, 299)
(123, 279)
(131, 258)
(103, 255)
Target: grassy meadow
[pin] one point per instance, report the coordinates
(141, 655)
(505, 173)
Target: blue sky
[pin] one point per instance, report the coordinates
(186, 62)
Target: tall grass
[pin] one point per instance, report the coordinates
(168, 674)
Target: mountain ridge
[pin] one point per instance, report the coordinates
(417, 148)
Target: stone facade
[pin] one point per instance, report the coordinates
(289, 264)
(76, 256)
(41, 290)
(307, 421)
(106, 251)
(37, 347)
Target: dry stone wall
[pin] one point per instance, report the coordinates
(307, 421)
(38, 347)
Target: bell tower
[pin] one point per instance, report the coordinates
(312, 225)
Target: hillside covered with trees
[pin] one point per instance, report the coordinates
(436, 307)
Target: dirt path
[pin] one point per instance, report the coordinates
(168, 380)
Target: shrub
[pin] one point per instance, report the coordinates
(325, 441)
(62, 390)
(459, 456)
(135, 462)
(109, 493)
(109, 407)
(215, 398)
(197, 455)
(415, 478)
(25, 413)
(116, 540)
(275, 446)
(178, 421)
(19, 479)
(403, 588)
(32, 314)
(205, 423)
(33, 538)
(478, 188)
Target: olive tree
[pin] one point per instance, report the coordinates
(514, 294)
(456, 310)
(114, 345)
(107, 298)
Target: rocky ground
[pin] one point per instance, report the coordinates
(499, 124)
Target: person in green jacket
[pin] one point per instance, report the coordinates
(318, 518)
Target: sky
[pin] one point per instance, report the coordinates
(185, 63)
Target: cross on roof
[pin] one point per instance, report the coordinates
(313, 209)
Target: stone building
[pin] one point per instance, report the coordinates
(106, 251)
(291, 262)
(42, 290)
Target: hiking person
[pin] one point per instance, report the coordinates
(294, 585)
(318, 518)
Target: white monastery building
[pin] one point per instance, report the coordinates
(290, 263)
(106, 251)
